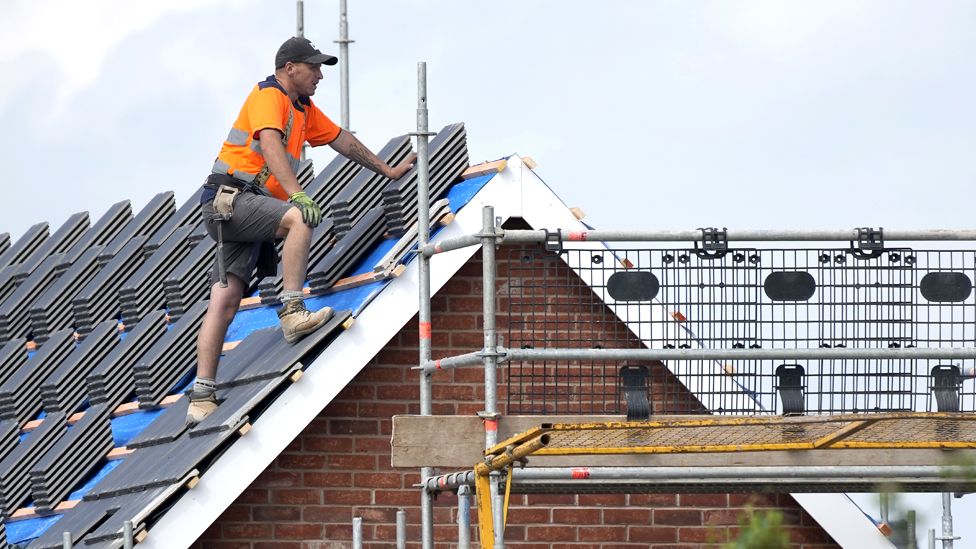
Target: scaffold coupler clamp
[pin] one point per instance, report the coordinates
(223, 206)
(554, 241)
(714, 242)
(870, 243)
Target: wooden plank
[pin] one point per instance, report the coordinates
(529, 162)
(485, 168)
(30, 512)
(457, 442)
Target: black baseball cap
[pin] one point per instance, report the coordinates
(300, 50)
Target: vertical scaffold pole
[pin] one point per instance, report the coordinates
(423, 200)
(490, 415)
(344, 42)
(464, 517)
(357, 533)
(127, 535)
(947, 539)
(401, 529)
(300, 31)
(66, 540)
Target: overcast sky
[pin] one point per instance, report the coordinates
(658, 115)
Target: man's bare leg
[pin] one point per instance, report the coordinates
(294, 253)
(224, 303)
(296, 320)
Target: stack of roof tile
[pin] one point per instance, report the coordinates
(108, 228)
(20, 395)
(99, 299)
(50, 311)
(111, 381)
(149, 220)
(12, 258)
(187, 216)
(364, 192)
(347, 252)
(143, 291)
(15, 468)
(64, 389)
(13, 355)
(448, 160)
(74, 454)
(170, 359)
(189, 281)
(13, 312)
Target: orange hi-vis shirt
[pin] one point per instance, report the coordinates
(268, 106)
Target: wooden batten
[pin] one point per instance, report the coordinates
(484, 168)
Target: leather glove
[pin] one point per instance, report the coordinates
(311, 213)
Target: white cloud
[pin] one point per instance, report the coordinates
(76, 35)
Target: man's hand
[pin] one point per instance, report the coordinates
(311, 213)
(403, 167)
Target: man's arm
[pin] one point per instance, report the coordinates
(347, 145)
(274, 155)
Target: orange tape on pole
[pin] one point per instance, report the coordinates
(425, 330)
(491, 425)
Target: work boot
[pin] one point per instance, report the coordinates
(201, 406)
(297, 321)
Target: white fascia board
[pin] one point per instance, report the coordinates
(835, 513)
(294, 410)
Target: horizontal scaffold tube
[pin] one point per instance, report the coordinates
(846, 235)
(866, 473)
(538, 355)
(450, 244)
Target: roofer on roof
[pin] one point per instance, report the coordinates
(254, 184)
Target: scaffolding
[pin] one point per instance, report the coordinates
(831, 347)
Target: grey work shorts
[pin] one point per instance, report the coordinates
(251, 229)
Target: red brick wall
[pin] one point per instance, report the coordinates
(339, 467)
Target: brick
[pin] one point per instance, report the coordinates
(326, 514)
(330, 479)
(296, 496)
(298, 531)
(708, 535)
(357, 462)
(372, 445)
(602, 533)
(654, 500)
(396, 497)
(627, 516)
(576, 516)
(300, 461)
(277, 545)
(382, 409)
(703, 500)
(353, 427)
(236, 530)
(551, 533)
(722, 516)
(277, 513)
(679, 517)
(327, 444)
(603, 500)
(652, 533)
(346, 497)
(398, 392)
(551, 499)
(378, 480)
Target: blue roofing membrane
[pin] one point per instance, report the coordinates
(126, 427)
